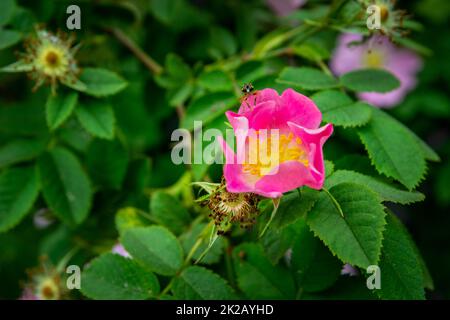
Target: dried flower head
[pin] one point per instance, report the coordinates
(49, 58)
(45, 282)
(391, 20)
(227, 208)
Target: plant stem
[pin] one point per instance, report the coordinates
(324, 67)
(229, 267)
(167, 288)
(333, 199)
(148, 61)
(276, 204)
(186, 260)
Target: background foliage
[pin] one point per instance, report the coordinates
(96, 160)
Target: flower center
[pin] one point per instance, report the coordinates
(48, 290)
(265, 154)
(52, 58)
(233, 203)
(384, 13)
(373, 59)
(53, 61)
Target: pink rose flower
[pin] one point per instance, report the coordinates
(284, 7)
(28, 294)
(377, 52)
(295, 119)
(120, 250)
(349, 270)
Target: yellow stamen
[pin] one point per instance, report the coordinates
(289, 149)
(373, 59)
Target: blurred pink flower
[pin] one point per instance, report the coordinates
(349, 270)
(377, 52)
(27, 294)
(284, 7)
(120, 250)
(298, 158)
(42, 219)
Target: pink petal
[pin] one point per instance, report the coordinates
(251, 101)
(289, 175)
(291, 106)
(267, 115)
(232, 171)
(284, 7)
(300, 109)
(347, 57)
(240, 126)
(313, 140)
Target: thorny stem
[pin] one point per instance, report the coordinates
(148, 61)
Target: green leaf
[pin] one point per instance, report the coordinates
(329, 168)
(294, 206)
(9, 38)
(19, 188)
(277, 242)
(189, 238)
(370, 80)
(215, 80)
(269, 42)
(207, 108)
(177, 68)
(18, 66)
(198, 283)
(345, 288)
(306, 78)
(179, 95)
(257, 277)
(75, 84)
(107, 162)
(311, 51)
(250, 71)
(97, 118)
(7, 8)
(176, 74)
(65, 186)
(428, 153)
(101, 82)
(20, 150)
(356, 236)
(315, 268)
(179, 15)
(169, 212)
(59, 107)
(155, 247)
(223, 43)
(128, 218)
(401, 273)
(386, 191)
(428, 282)
(393, 150)
(338, 109)
(411, 44)
(113, 277)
